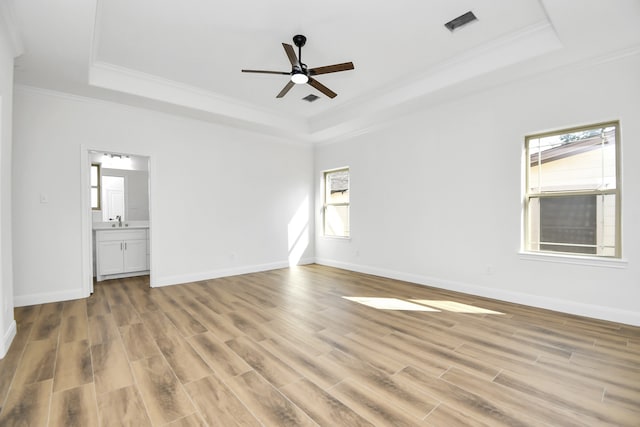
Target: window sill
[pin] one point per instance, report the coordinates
(574, 259)
(322, 236)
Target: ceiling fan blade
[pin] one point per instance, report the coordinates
(286, 89)
(331, 68)
(322, 88)
(291, 54)
(267, 72)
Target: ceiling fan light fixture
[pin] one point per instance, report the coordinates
(300, 74)
(299, 78)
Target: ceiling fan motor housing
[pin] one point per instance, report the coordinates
(299, 40)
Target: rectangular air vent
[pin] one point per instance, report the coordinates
(311, 97)
(460, 21)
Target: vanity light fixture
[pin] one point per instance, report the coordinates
(119, 156)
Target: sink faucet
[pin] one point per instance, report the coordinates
(119, 218)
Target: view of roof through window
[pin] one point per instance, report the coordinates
(569, 143)
(339, 181)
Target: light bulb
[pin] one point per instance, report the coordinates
(299, 78)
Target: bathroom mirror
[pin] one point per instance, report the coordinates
(119, 187)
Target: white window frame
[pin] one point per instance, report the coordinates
(529, 195)
(326, 204)
(98, 187)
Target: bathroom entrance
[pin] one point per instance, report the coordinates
(116, 220)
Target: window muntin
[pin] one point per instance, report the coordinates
(95, 186)
(336, 203)
(572, 201)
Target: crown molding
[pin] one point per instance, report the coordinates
(348, 119)
(198, 103)
(519, 46)
(352, 127)
(113, 77)
(278, 136)
(8, 19)
(390, 115)
(365, 114)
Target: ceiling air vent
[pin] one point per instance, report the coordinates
(460, 21)
(311, 97)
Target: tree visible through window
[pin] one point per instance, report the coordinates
(336, 203)
(573, 191)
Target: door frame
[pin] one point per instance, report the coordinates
(86, 223)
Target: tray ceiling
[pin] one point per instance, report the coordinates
(185, 57)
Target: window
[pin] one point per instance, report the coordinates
(95, 186)
(336, 203)
(572, 201)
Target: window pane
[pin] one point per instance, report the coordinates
(94, 175)
(337, 187)
(533, 226)
(568, 224)
(607, 225)
(584, 160)
(336, 221)
(584, 224)
(94, 198)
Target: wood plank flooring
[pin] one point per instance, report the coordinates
(284, 347)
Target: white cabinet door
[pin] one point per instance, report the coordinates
(110, 260)
(135, 255)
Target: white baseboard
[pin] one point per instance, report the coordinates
(7, 339)
(121, 275)
(565, 306)
(45, 297)
(158, 281)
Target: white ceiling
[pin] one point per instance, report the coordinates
(185, 56)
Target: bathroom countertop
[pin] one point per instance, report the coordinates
(126, 225)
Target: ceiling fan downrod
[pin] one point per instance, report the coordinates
(300, 40)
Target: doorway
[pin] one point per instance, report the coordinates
(115, 197)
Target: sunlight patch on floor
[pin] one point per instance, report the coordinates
(381, 303)
(456, 307)
(389, 304)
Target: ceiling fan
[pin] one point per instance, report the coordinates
(300, 74)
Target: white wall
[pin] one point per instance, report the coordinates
(7, 323)
(436, 198)
(221, 199)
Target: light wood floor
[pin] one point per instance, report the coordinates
(285, 348)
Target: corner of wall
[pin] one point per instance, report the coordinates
(7, 339)
(9, 48)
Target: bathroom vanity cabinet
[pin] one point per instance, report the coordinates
(121, 253)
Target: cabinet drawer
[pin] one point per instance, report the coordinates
(110, 235)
